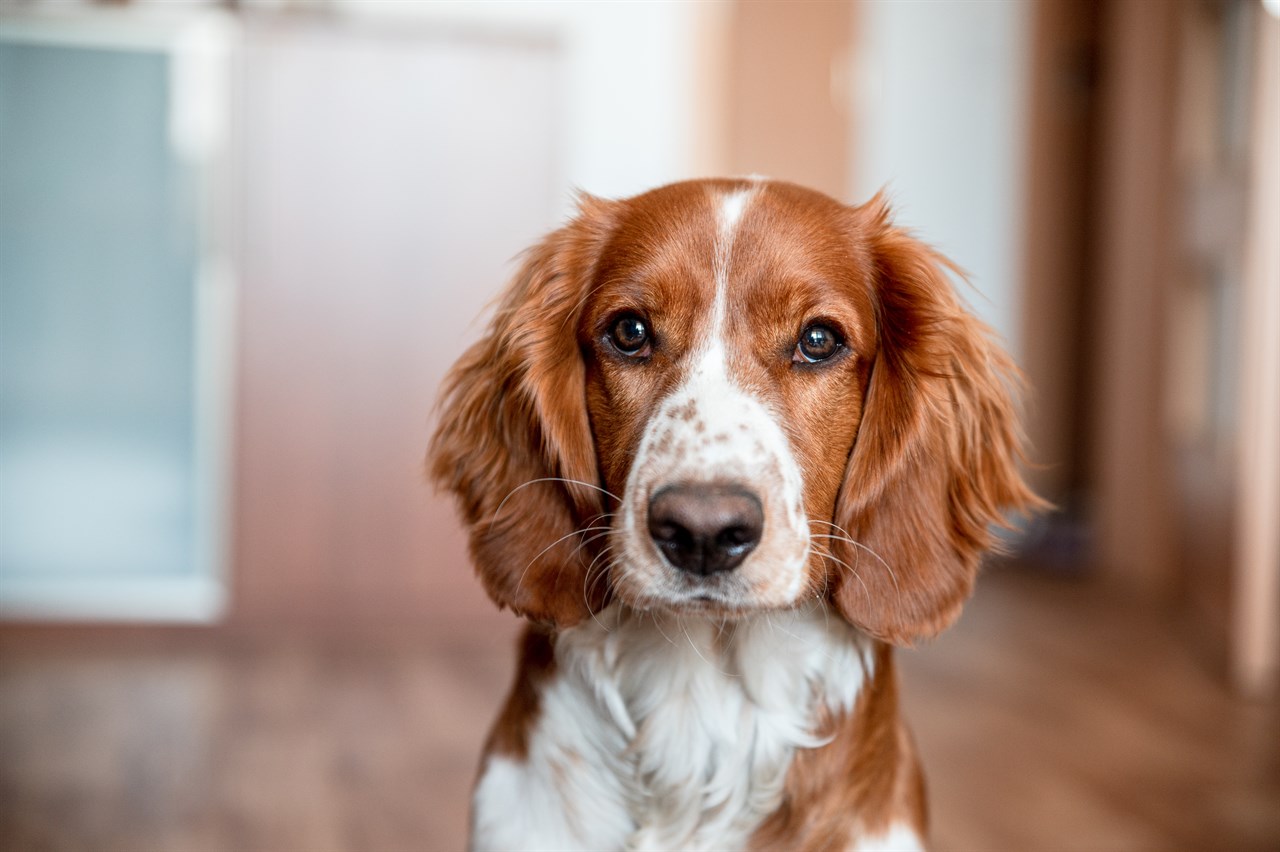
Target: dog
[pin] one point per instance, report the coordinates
(724, 445)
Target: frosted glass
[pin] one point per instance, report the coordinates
(98, 247)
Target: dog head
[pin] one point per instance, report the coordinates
(730, 396)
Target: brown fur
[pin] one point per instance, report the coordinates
(536, 664)
(513, 420)
(869, 771)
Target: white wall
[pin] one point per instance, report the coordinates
(641, 105)
(940, 119)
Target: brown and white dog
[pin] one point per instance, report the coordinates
(724, 444)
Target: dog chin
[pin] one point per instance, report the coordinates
(705, 601)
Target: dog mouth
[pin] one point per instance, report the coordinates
(716, 598)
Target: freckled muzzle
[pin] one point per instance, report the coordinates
(712, 508)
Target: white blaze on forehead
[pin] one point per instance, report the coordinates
(729, 210)
(899, 838)
(710, 360)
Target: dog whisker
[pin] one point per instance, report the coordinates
(592, 539)
(879, 558)
(680, 623)
(653, 615)
(590, 583)
(561, 479)
(833, 526)
(851, 569)
(525, 572)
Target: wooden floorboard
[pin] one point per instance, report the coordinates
(1056, 718)
(1052, 717)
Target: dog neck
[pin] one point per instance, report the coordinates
(658, 731)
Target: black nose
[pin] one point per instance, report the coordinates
(704, 529)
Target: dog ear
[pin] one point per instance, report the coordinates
(514, 443)
(936, 458)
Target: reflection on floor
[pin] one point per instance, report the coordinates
(1049, 718)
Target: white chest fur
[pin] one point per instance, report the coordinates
(668, 733)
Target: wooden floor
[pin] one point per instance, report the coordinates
(1049, 719)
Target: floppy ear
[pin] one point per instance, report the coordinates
(514, 443)
(935, 462)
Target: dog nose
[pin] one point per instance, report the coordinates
(705, 529)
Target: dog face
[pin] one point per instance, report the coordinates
(727, 397)
(726, 365)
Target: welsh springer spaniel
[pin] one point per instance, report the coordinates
(723, 445)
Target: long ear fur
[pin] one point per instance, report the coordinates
(514, 443)
(936, 458)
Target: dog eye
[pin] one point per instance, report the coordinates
(817, 343)
(629, 335)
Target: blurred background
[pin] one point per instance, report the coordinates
(241, 242)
